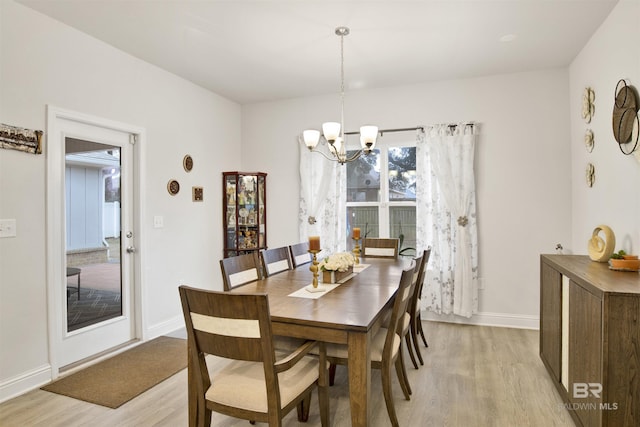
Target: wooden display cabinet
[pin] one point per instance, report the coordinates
(244, 212)
(590, 339)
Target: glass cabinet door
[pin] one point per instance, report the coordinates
(245, 212)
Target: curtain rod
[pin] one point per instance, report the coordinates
(383, 131)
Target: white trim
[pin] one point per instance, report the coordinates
(503, 320)
(164, 328)
(24, 382)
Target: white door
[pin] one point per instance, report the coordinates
(92, 198)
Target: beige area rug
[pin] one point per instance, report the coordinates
(119, 379)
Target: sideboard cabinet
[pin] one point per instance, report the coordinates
(244, 212)
(590, 338)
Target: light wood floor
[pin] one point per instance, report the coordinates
(473, 376)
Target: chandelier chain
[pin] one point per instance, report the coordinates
(342, 86)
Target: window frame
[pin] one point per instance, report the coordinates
(384, 204)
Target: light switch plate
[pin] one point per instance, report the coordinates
(158, 221)
(8, 228)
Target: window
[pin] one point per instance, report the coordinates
(381, 196)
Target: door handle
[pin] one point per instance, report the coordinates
(131, 250)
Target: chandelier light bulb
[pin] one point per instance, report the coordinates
(331, 131)
(311, 138)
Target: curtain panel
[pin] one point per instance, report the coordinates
(446, 216)
(322, 201)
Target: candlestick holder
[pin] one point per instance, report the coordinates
(356, 250)
(314, 270)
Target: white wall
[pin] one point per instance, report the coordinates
(613, 53)
(45, 62)
(522, 167)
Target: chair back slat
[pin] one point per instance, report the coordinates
(300, 254)
(240, 270)
(275, 260)
(380, 248)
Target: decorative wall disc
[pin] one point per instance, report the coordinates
(173, 187)
(187, 163)
(589, 140)
(625, 117)
(588, 106)
(590, 174)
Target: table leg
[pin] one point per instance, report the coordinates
(78, 286)
(359, 377)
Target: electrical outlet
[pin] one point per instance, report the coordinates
(481, 284)
(8, 228)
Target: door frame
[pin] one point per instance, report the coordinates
(55, 223)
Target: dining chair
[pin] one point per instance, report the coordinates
(386, 346)
(258, 383)
(410, 312)
(380, 248)
(416, 319)
(275, 260)
(239, 270)
(300, 254)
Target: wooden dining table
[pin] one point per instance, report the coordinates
(350, 314)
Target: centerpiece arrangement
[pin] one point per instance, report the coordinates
(336, 267)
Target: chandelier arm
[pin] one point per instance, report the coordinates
(355, 156)
(333, 159)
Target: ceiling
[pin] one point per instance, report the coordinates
(262, 50)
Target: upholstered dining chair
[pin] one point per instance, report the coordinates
(239, 270)
(257, 384)
(415, 327)
(275, 260)
(386, 346)
(300, 254)
(380, 248)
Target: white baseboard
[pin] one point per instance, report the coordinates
(25, 382)
(503, 320)
(164, 328)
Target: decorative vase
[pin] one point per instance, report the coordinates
(335, 276)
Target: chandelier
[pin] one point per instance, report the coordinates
(333, 132)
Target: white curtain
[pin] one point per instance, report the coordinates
(322, 201)
(446, 212)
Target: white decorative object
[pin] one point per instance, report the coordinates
(590, 174)
(600, 249)
(589, 140)
(588, 107)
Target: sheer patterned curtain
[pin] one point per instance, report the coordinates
(322, 201)
(446, 208)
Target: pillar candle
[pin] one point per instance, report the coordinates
(314, 243)
(356, 233)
